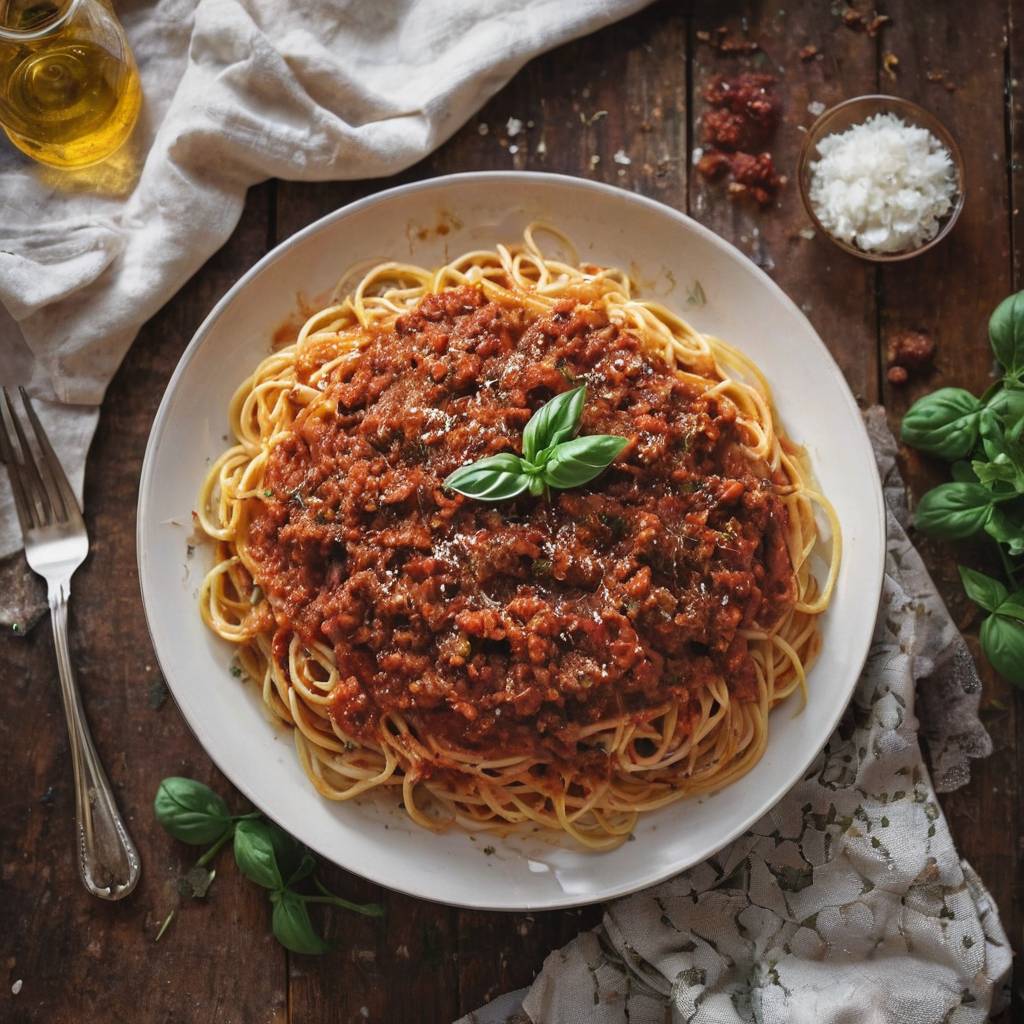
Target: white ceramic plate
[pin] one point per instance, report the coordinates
(667, 252)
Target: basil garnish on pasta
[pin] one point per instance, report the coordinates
(552, 457)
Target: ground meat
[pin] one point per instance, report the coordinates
(913, 350)
(508, 628)
(750, 99)
(742, 117)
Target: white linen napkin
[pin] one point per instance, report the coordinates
(236, 91)
(847, 903)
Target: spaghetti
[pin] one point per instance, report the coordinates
(561, 664)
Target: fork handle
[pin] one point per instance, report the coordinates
(107, 858)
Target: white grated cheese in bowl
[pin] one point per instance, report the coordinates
(882, 186)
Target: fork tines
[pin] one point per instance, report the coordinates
(42, 494)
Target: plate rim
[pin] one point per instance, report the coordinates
(237, 779)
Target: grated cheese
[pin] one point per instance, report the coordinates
(883, 185)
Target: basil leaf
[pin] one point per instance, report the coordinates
(1008, 402)
(578, 461)
(554, 422)
(993, 438)
(1002, 640)
(305, 868)
(1003, 528)
(982, 589)
(999, 471)
(1006, 333)
(495, 478)
(944, 423)
(1013, 607)
(191, 811)
(963, 472)
(292, 926)
(256, 854)
(953, 511)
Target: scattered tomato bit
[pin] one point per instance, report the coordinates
(719, 40)
(714, 165)
(743, 117)
(872, 23)
(756, 174)
(808, 52)
(908, 351)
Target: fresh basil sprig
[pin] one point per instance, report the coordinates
(984, 440)
(265, 854)
(552, 455)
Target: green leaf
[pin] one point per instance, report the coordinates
(292, 926)
(578, 461)
(1002, 640)
(256, 853)
(495, 478)
(944, 423)
(1003, 528)
(1006, 333)
(963, 472)
(999, 471)
(953, 511)
(191, 811)
(1008, 402)
(982, 589)
(993, 438)
(1013, 607)
(306, 867)
(554, 422)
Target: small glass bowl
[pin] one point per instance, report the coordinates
(843, 116)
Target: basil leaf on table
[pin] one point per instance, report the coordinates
(982, 589)
(944, 423)
(577, 462)
(495, 478)
(954, 511)
(1013, 607)
(256, 854)
(1000, 470)
(962, 472)
(1006, 530)
(1002, 640)
(191, 811)
(1006, 333)
(292, 926)
(554, 422)
(1008, 402)
(993, 435)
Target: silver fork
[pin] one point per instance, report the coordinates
(56, 545)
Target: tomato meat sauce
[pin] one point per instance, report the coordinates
(509, 628)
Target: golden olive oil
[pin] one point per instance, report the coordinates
(68, 97)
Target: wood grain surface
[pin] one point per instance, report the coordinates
(621, 106)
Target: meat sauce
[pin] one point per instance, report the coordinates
(507, 628)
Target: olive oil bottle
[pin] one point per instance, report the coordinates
(69, 88)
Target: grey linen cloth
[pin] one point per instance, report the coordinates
(235, 91)
(847, 903)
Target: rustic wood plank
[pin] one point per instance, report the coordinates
(949, 292)
(80, 958)
(836, 292)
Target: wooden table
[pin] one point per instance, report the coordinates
(634, 90)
